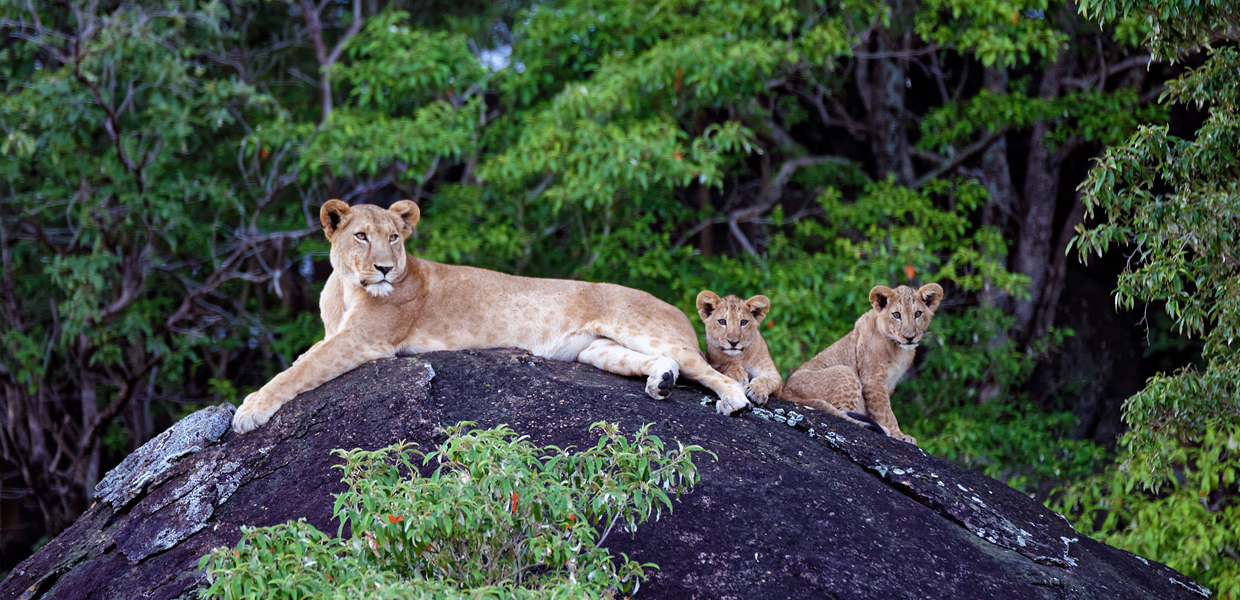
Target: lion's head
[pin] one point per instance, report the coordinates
(731, 323)
(904, 313)
(368, 243)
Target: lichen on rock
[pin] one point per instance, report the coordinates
(154, 459)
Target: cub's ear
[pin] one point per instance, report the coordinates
(931, 294)
(880, 296)
(758, 305)
(333, 215)
(707, 302)
(409, 214)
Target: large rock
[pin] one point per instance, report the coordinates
(794, 507)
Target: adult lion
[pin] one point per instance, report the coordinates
(380, 302)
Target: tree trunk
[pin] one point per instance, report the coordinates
(1037, 225)
(883, 83)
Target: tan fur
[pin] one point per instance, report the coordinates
(860, 370)
(734, 344)
(420, 306)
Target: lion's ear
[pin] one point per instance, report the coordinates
(707, 302)
(880, 296)
(333, 216)
(409, 214)
(931, 294)
(758, 306)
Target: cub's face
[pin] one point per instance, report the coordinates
(904, 313)
(731, 323)
(368, 243)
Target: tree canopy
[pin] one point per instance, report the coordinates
(164, 162)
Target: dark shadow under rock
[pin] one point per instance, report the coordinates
(798, 505)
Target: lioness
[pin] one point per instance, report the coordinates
(860, 370)
(734, 344)
(381, 302)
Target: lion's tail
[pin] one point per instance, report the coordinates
(869, 423)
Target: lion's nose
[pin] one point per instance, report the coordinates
(734, 343)
(907, 337)
(383, 269)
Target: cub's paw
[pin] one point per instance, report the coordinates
(730, 403)
(904, 437)
(252, 415)
(757, 396)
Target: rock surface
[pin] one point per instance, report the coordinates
(798, 505)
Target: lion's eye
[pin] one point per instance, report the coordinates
(360, 236)
(723, 321)
(896, 315)
(393, 237)
(744, 322)
(917, 315)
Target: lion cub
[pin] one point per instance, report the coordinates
(860, 370)
(734, 344)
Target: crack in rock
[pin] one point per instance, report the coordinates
(1033, 533)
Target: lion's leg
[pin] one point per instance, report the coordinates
(835, 390)
(878, 406)
(764, 380)
(610, 356)
(734, 371)
(681, 347)
(731, 393)
(325, 361)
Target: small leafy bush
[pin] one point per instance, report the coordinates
(498, 518)
(1188, 521)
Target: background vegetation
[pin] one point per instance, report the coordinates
(164, 161)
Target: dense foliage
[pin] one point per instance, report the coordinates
(497, 518)
(1173, 203)
(164, 161)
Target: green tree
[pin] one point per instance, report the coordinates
(140, 256)
(1173, 204)
(498, 518)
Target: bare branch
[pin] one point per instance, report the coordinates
(774, 190)
(1106, 72)
(960, 159)
(326, 59)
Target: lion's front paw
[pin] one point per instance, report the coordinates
(730, 403)
(904, 437)
(252, 414)
(755, 395)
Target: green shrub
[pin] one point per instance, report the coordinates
(498, 518)
(1189, 522)
(1028, 448)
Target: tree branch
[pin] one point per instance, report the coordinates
(326, 59)
(960, 159)
(1106, 72)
